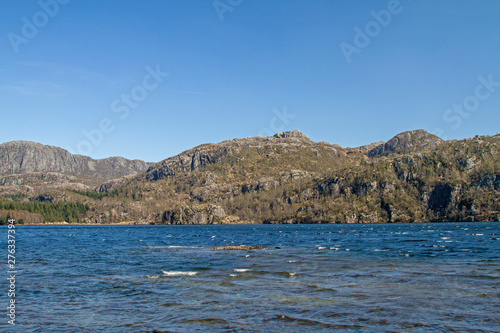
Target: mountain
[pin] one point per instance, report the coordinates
(208, 154)
(288, 178)
(406, 142)
(242, 161)
(24, 157)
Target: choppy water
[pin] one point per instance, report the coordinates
(322, 278)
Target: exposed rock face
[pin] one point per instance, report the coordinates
(406, 142)
(23, 157)
(440, 197)
(210, 214)
(491, 183)
(201, 156)
(292, 134)
(191, 160)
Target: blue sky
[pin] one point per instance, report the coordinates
(343, 71)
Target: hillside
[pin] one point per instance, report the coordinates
(22, 157)
(31, 163)
(287, 178)
(406, 142)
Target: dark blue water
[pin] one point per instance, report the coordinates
(322, 278)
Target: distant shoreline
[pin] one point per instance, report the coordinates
(131, 223)
(85, 224)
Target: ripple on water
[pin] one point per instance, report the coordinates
(119, 286)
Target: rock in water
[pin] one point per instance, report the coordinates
(239, 247)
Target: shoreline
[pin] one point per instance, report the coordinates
(132, 223)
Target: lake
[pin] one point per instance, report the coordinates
(309, 278)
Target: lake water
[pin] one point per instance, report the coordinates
(310, 278)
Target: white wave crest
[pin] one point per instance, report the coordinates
(242, 270)
(178, 273)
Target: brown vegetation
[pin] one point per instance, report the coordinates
(290, 179)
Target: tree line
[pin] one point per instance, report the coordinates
(50, 211)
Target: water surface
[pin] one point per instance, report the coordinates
(321, 278)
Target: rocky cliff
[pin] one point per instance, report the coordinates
(23, 157)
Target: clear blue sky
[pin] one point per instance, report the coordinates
(229, 78)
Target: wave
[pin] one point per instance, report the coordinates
(179, 273)
(287, 274)
(242, 270)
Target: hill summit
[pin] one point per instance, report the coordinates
(406, 142)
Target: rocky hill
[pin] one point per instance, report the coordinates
(287, 178)
(24, 157)
(406, 142)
